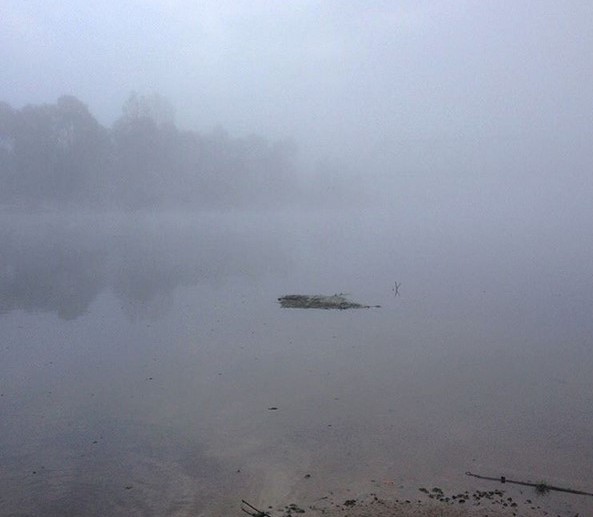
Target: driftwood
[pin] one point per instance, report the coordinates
(336, 301)
(541, 487)
(252, 510)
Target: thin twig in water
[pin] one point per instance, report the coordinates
(253, 511)
(541, 488)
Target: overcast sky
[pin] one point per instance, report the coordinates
(334, 76)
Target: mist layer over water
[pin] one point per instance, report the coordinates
(142, 353)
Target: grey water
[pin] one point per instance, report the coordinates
(147, 368)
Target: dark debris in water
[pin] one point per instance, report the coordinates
(477, 498)
(318, 301)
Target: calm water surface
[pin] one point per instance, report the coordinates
(141, 354)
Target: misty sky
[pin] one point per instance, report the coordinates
(338, 77)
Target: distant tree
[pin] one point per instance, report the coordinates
(56, 149)
(242, 171)
(34, 152)
(59, 153)
(7, 158)
(145, 142)
(82, 149)
(7, 117)
(154, 107)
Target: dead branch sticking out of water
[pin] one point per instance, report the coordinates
(395, 289)
(541, 487)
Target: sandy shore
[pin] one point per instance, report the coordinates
(435, 502)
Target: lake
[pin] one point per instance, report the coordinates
(148, 369)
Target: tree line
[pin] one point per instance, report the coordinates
(59, 154)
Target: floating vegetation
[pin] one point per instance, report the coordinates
(336, 301)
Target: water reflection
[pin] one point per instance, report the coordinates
(466, 369)
(164, 472)
(50, 264)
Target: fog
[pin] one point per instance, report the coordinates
(168, 170)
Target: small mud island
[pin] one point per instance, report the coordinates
(319, 301)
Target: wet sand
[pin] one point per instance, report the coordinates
(388, 500)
